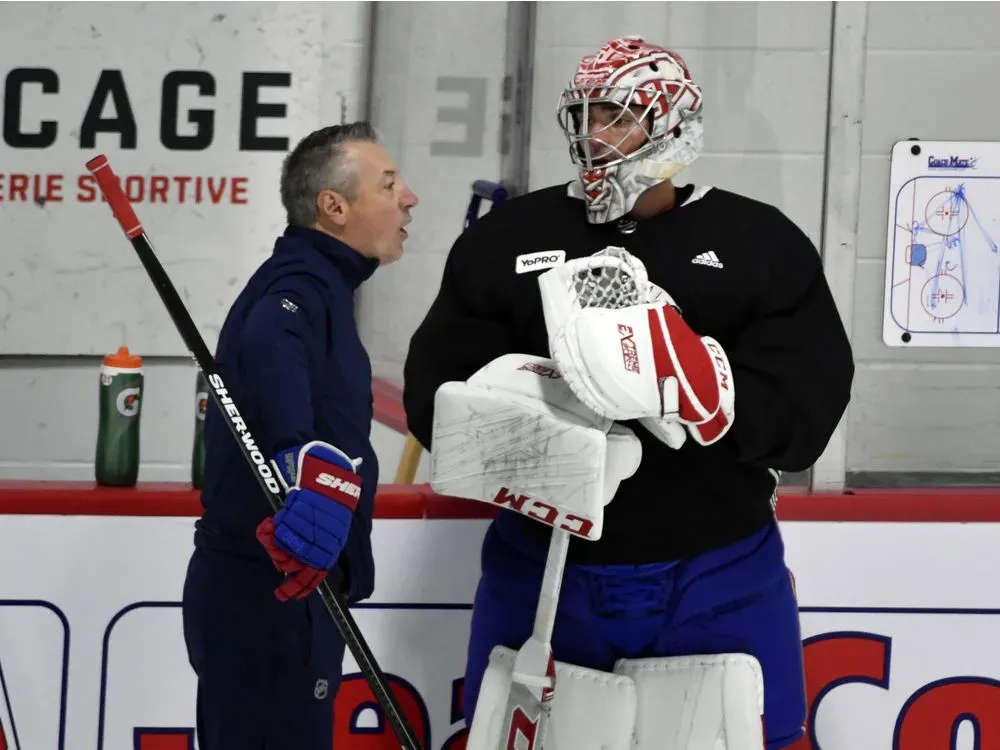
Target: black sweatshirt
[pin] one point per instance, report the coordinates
(740, 272)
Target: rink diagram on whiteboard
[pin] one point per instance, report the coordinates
(946, 269)
(942, 256)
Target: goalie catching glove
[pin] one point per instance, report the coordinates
(626, 352)
(516, 436)
(305, 538)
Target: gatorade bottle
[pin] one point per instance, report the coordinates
(198, 454)
(117, 460)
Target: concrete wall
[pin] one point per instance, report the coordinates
(920, 410)
(432, 75)
(763, 137)
(48, 404)
(436, 100)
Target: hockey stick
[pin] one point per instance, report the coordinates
(533, 677)
(122, 209)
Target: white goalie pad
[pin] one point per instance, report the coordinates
(516, 436)
(704, 702)
(589, 708)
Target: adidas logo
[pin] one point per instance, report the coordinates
(708, 259)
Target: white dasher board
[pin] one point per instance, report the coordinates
(942, 273)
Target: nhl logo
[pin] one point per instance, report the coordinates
(321, 689)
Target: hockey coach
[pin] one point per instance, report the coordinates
(266, 652)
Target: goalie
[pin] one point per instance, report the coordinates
(633, 363)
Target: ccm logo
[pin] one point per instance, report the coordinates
(721, 364)
(547, 514)
(348, 488)
(539, 261)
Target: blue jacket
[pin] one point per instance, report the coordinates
(291, 357)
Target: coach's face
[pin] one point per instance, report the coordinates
(374, 223)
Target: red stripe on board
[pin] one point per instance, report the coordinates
(155, 738)
(911, 505)
(419, 501)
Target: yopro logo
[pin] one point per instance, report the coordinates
(539, 261)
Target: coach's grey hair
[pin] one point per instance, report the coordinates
(320, 162)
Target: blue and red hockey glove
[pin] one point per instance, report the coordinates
(305, 538)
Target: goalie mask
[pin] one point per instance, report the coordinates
(632, 116)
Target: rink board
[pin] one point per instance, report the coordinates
(898, 618)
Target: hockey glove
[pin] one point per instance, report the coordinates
(322, 491)
(696, 382)
(626, 352)
(301, 580)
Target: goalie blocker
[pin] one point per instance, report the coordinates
(514, 435)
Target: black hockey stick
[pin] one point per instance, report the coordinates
(122, 209)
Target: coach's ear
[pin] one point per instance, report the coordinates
(332, 207)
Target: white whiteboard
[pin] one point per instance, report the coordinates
(942, 274)
(70, 283)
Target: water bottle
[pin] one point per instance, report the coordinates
(117, 460)
(198, 453)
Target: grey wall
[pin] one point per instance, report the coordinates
(436, 100)
(433, 75)
(765, 71)
(920, 410)
(48, 405)
(754, 61)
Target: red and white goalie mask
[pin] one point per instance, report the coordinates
(632, 115)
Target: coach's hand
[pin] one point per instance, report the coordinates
(305, 538)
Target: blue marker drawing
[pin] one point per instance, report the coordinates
(945, 260)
